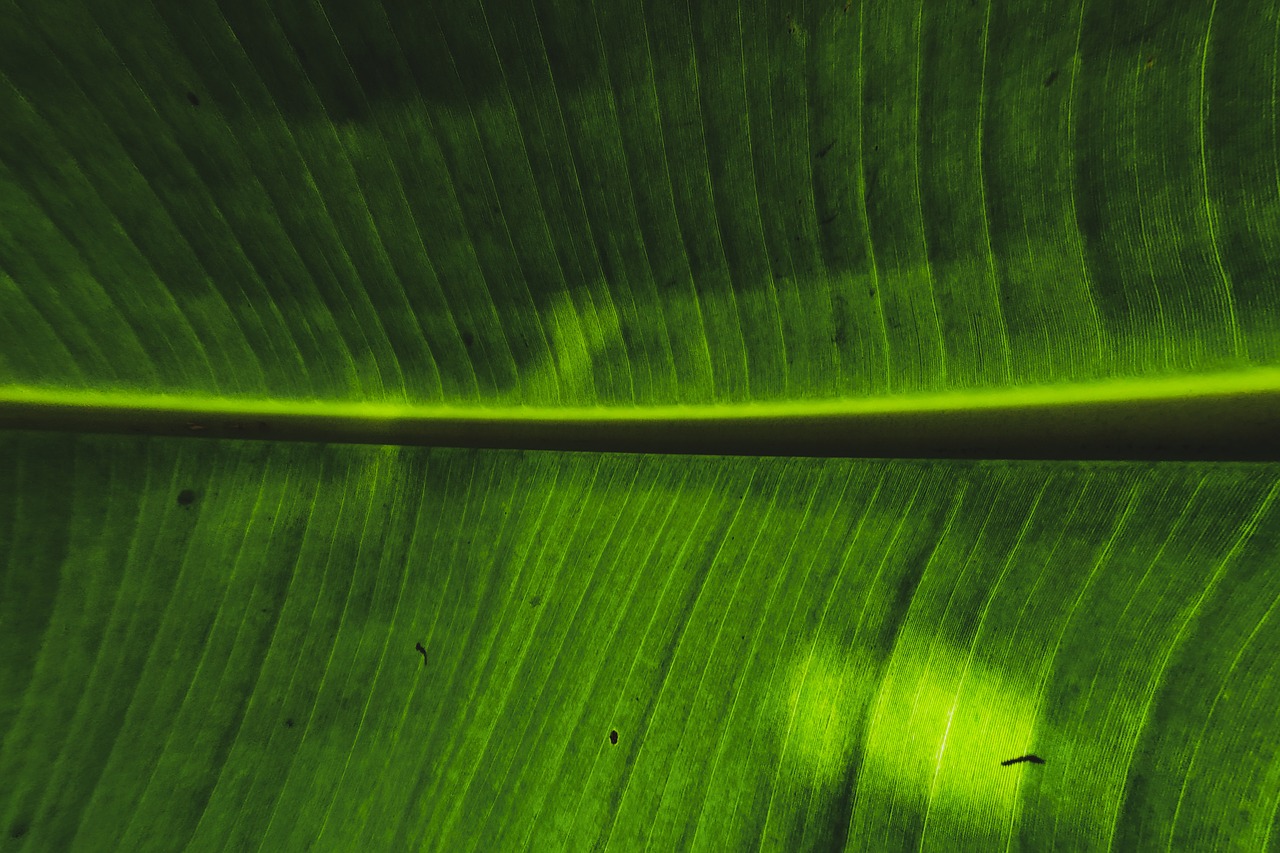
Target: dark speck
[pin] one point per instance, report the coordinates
(1053, 75)
(19, 829)
(186, 497)
(613, 736)
(191, 96)
(871, 292)
(466, 338)
(289, 722)
(535, 601)
(825, 149)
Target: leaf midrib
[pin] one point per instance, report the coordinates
(1223, 417)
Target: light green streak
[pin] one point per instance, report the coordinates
(15, 398)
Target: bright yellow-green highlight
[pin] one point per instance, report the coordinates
(1258, 381)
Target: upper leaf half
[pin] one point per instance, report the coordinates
(571, 204)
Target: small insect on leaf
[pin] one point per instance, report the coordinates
(421, 651)
(613, 736)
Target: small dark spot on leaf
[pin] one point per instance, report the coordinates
(289, 722)
(19, 829)
(830, 218)
(1053, 75)
(825, 149)
(466, 338)
(422, 652)
(871, 292)
(535, 601)
(613, 736)
(191, 96)
(186, 497)
(1151, 60)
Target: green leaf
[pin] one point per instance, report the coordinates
(348, 351)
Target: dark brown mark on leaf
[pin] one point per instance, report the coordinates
(825, 149)
(1053, 75)
(191, 96)
(1034, 759)
(186, 497)
(422, 651)
(613, 736)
